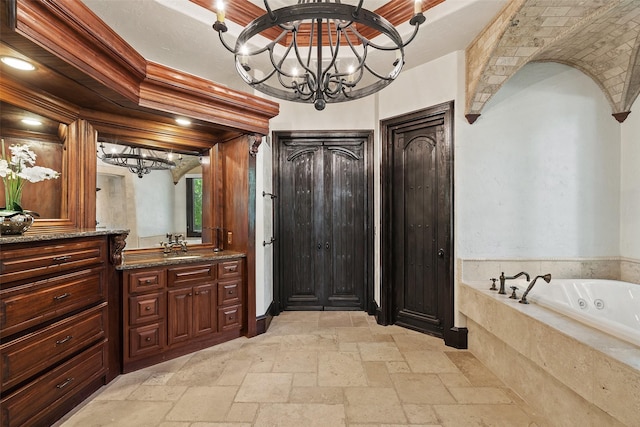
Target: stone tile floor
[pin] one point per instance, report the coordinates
(312, 369)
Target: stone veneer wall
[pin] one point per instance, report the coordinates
(572, 374)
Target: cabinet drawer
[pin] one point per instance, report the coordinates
(27, 262)
(26, 356)
(147, 308)
(28, 305)
(229, 318)
(145, 340)
(31, 404)
(231, 268)
(191, 275)
(229, 292)
(148, 280)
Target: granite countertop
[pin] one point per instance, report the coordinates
(34, 235)
(155, 259)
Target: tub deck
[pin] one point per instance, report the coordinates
(567, 370)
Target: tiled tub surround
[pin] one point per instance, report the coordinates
(630, 270)
(565, 268)
(573, 374)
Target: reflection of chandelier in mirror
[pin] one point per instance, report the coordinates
(305, 62)
(138, 160)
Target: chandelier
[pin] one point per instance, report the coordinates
(138, 160)
(321, 53)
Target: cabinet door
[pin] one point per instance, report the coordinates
(204, 310)
(180, 315)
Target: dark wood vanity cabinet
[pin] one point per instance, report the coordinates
(54, 326)
(174, 310)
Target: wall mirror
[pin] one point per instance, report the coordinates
(149, 204)
(46, 137)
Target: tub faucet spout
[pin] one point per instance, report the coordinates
(503, 279)
(546, 278)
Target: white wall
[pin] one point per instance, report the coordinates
(630, 186)
(180, 206)
(154, 199)
(264, 229)
(358, 114)
(538, 173)
(432, 83)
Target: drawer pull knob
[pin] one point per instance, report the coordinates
(62, 258)
(65, 383)
(64, 340)
(148, 339)
(198, 293)
(147, 308)
(230, 292)
(147, 281)
(61, 297)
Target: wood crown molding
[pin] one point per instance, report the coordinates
(37, 102)
(166, 89)
(139, 131)
(73, 33)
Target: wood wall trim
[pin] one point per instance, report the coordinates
(104, 62)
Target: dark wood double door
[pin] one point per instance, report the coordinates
(322, 220)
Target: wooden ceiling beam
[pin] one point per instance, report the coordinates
(242, 12)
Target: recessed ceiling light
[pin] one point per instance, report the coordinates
(16, 63)
(31, 122)
(183, 122)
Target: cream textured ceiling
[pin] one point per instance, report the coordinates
(599, 37)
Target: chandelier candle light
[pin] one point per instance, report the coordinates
(320, 55)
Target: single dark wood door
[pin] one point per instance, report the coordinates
(420, 222)
(322, 223)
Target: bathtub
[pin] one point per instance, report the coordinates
(608, 305)
(567, 370)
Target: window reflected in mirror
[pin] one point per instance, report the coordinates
(44, 137)
(151, 206)
(194, 205)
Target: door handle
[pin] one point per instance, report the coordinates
(326, 245)
(319, 246)
(441, 253)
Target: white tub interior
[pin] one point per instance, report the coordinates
(608, 305)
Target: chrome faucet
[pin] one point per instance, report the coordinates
(503, 279)
(546, 278)
(175, 242)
